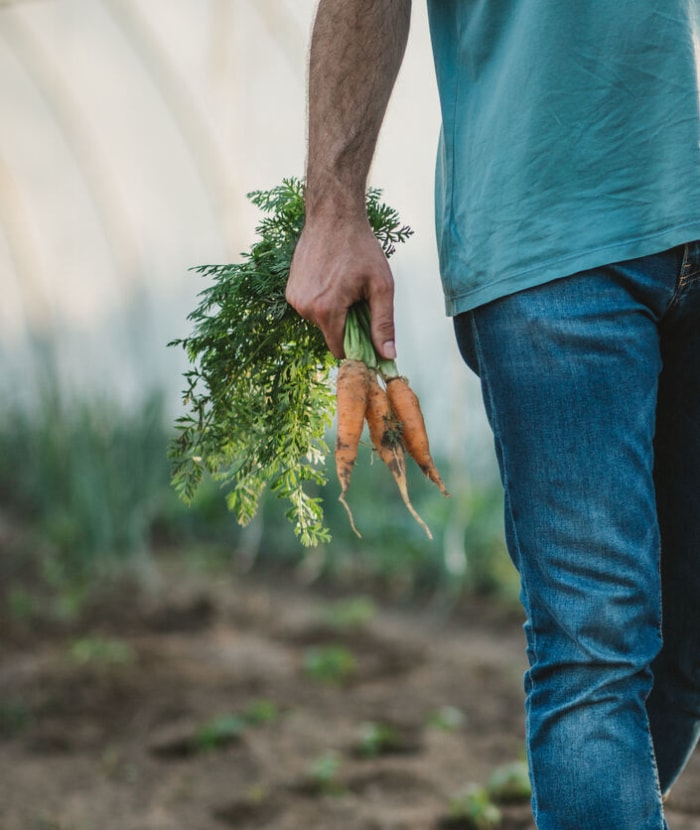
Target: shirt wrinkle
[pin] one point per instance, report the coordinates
(570, 133)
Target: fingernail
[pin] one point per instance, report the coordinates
(389, 350)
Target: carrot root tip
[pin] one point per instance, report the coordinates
(436, 480)
(351, 519)
(412, 510)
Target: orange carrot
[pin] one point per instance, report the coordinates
(385, 433)
(352, 390)
(405, 405)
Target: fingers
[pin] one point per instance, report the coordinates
(315, 303)
(331, 321)
(330, 272)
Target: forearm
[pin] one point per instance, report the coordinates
(356, 51)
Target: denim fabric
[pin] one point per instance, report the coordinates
(592, 388)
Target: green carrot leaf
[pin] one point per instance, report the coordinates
(258, 398)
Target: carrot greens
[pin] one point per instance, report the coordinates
(258, 397)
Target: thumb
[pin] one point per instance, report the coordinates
(382, 325)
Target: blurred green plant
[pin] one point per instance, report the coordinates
(222, 730)
(333, 665)
(350, 613)
(489, 569)
(86, 474)
(377, 739)
(510, 784)
(472, 809)
(21, 605)
(324, 774)
(446, 718)
(260, 712)
(90, 479)
(101, 653)
(219, 732)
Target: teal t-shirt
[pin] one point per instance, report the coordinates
(570, 137)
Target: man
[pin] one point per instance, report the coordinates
(567, 215)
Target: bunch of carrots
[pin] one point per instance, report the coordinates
(370, 389)
(258, 396)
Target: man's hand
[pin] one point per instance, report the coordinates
(336, 264)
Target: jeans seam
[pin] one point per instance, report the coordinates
(685, 276)
(495, 426)
(690, 270)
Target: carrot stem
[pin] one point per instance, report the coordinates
(358, 341)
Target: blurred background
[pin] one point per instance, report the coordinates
(162, 667)
(131, 134)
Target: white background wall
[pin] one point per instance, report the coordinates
(131, 131)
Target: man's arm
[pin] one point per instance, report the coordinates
(356, 50)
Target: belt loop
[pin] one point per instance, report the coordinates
(684, 273)
(685, 261)
(691, 260)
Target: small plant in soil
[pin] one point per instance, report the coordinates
(472, 809)
(377, 739)
(324, 775)
(447, 718)
(382, 738)
(220, 731)
(215, 733)
(101, 653)
(260, 712)
(351, 613)
(510, 784)
(22, 606)
(333, 665)
(228, 728)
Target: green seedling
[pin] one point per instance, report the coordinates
(332, 665)
(101, 652)
(447, 718)
(354, 612)
(510, 784)
(377, 739)
(220, 731)
(473, 809)
(223, 730)
(324, 774)
(21, 605)
(260, 712)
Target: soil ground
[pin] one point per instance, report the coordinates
(108, 723)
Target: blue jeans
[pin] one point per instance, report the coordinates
(591, 385)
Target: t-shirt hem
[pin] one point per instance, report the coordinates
(564, 267)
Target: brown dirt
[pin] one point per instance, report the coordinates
(112, 739)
